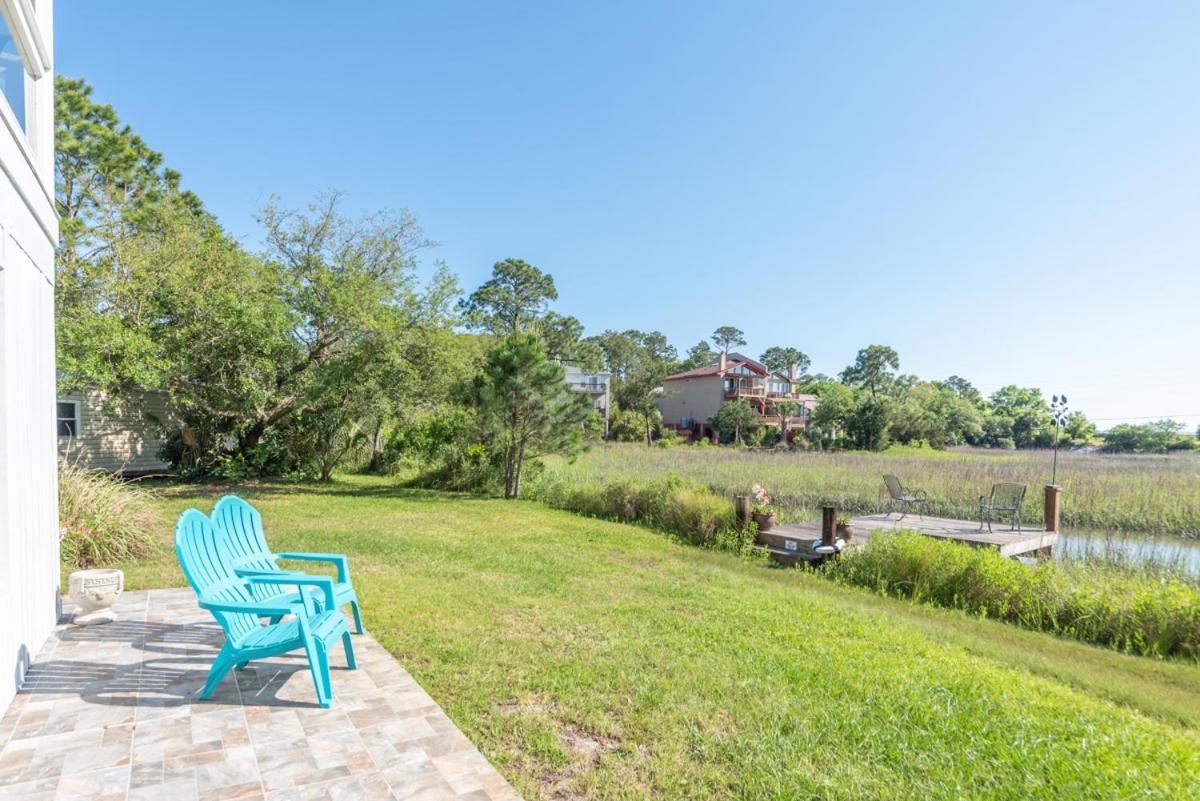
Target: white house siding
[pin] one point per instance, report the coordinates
(117, 438)
(691, 400)
(29, 573)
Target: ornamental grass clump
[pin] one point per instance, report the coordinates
(104, 520)
(1143, 613)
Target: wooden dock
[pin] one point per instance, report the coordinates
(790, 542)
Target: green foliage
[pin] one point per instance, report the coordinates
(736, 418)
(698, 355)
(782, 359)
(512, 301)
(727, 337)
(525, 408)
(1157, 437)
(868, 424)
(1142, 614)
(693, 513)
(104, 520)
(872, 369)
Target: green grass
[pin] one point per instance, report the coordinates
(1100, 491)
(693, 674)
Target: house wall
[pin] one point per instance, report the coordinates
(691, 398)
(116, 437)
(29, 572)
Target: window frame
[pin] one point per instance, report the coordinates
(58, 419)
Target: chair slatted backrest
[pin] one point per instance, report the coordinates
(242, 527)
(1007, 496)
(893, 487)
(208, 566)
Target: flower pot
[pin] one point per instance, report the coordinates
(764, 521)
(845, 532)
(95, 592)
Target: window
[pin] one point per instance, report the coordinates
(68, 418)
(12, 74)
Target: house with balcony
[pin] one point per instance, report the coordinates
(595, 385)
(690, 399)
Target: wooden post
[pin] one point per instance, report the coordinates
(1052, 508)
(828, 524)
(741, 509)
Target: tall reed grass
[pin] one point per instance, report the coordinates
(1158, 494)
(104, 520)
(1132, 610)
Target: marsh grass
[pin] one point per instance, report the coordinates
(1159, 494)
(104, 520)
(1129, 607)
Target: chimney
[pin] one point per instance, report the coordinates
(723, 361)
(792, 371)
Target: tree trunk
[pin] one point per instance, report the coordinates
(376, 446)
(517, 477)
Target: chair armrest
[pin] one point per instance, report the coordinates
(325, 583)
(265, 609)
(343, 564)
(246, 572)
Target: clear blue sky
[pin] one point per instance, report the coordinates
(1006, 191)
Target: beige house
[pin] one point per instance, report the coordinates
(690, 399)
(98, 433)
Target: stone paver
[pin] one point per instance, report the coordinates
(109, 713)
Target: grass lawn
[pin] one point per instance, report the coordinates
(590, 659)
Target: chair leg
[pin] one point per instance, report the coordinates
(313, 651)
(323, 655)
(348, 646)
(220, 667)
(242, 665)
(358, 626)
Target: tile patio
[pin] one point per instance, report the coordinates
(109, 713)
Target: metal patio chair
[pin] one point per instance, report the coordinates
(901, 499)
(1005, 499)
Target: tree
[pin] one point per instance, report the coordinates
(525, 407)
(964, 389)
(513, 300)
(1026, 413)
(735, 418)
(698, 355)
(868, 425)
(116, 203)
(872, 369)
(837, 404)
(727, 337)
(782, 359)
(1079, 429)
(1157, 437)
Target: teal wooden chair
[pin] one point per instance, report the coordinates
(242, 524)
(207, 564)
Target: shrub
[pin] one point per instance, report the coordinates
(694, 513)
(104, 519)
(1133, 611)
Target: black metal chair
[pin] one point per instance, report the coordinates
(901, 499)
(1005, 499)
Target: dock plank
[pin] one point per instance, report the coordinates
(1009, 543)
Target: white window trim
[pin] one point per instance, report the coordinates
(58, 419)
(23, 24)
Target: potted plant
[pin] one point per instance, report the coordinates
(844, 529)
(763, 513)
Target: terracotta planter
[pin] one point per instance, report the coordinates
(765, 522)
(846, 532)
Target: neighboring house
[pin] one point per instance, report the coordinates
(690, 399)
(594, 384)
(96, 433)
(29, 571)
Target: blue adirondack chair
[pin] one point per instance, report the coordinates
(207, 564)
(242, 524)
